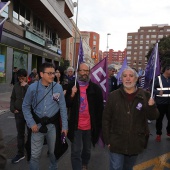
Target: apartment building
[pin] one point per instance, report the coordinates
(115, 57)
(32, 34)
(139, 43)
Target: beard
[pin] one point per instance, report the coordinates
(84, 78)
(129, 86)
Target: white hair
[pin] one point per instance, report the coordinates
(130, 69)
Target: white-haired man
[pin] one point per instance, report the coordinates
(124, 121)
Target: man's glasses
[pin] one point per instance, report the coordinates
(50, 73)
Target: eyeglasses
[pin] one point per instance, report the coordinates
(86, 71)
(50, 73)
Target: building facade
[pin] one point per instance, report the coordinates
(93, 40)
(139, 43)
(115, 57)
(32, 35)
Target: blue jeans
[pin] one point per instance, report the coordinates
(121, 161)
(37, 140)
(81, 149)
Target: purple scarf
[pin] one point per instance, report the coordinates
(82, 83)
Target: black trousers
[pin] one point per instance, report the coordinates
(20, 125)
(164, 109)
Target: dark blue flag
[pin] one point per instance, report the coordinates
(149, 70)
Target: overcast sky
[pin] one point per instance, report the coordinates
(118, 17)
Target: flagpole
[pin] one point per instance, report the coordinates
(3, 21)
(153, 80)
(4, 6)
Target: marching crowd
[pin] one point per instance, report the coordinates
(54, 106)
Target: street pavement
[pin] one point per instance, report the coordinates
(99, 158)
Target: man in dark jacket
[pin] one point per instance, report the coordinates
(125, 121)
(85, 102)
(17, 97)
(162, 98)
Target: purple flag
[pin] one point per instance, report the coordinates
(149, 70)
(99, 76)
(124, 65)
(81, 52)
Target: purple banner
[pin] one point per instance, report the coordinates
(81, 52)
(99, 76)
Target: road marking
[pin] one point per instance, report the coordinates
(158, 163)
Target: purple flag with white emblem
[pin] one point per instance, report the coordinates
(124, 65)
(99, 76)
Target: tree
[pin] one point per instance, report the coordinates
(164, 51)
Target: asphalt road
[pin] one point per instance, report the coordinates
(155, 157)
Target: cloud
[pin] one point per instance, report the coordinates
(119, 17)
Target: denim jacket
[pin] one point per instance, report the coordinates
(49, 106)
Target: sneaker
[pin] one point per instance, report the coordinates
(168, 135)
(158, 138)
(17, 159)
(84, 167)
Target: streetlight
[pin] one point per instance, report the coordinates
(107, 48)
(75, 4)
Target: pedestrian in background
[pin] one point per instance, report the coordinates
(17, 97)
(112, 81)
(125, 126)
(69, 77)
(46, 98)
(162, 98)
(14, 76)
(33, 76)
(3, 159)
(85, 102)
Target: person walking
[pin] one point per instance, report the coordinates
(124, 122)
(85, 102)
(17, 97)
(162, 98)
(46, 98)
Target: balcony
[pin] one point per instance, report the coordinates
(52, 13)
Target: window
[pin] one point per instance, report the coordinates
(168, 30)
(147, 36)
(141, 42)
(136, 36)
(153, 36)
(140, 52)
(38, 26)
(141, 47)
(135, 53)
(136, 42)
(128, 52)
(21, 15)
(141, 30)
(160, 36)
(147, 47)
(5, 11)
(129, 47)
(141, 36)
(94, 42)
(129, 37)
(129, 58)
(129, 42)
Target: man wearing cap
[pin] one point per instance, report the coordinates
(162, 98)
